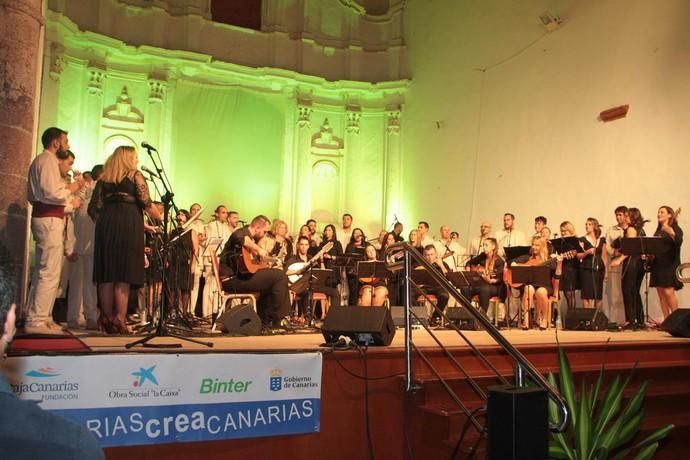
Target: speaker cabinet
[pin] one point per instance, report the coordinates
(240, 320)
(398, 314)
(462, 318)
(370, 325)
(518, 423)
(678, 323)
(585, 319)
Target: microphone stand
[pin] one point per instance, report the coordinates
(162, 329)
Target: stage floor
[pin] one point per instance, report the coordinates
(311, 341)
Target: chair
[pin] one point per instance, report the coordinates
(228, 297)
(325, 303)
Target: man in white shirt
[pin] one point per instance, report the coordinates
(477, 243)
(449, 250)
(217, 232)
(613, 308)
(82, 301)
(198, 264)
(345, 232)
(509, 236)
(423, 234)
(49, 194)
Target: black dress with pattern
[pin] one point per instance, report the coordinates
(592, 270)
(119, 238)
(665, 264)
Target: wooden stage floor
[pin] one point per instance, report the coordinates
(311, 341)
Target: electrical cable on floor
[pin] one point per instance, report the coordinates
(464, 432)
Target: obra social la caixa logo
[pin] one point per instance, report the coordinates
(276, 380)
(144, 375)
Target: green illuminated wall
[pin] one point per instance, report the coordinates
(227, 148)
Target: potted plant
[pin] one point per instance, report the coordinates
(600, 428)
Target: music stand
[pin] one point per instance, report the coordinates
(317, 279)
(513, 252)
(539, 275)
(466, 279)
(421, 277)
(565, 244)
(373, 269)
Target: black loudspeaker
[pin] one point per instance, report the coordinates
(461, 317)
(370, 325)
(585, 319)
(398, 314)
(678, 323)
(240, 320)
(518, 423)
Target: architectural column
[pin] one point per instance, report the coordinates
(302, 177)
(154, 113)
(348, 180)
(289, 180)
(92, 115)
(392, 166)
(21, 61)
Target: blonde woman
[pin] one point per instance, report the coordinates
(538, 256)
(119, 199)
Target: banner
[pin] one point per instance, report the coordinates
(154, 399)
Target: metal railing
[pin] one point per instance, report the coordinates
(523, 367)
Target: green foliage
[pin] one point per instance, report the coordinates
(600, 428)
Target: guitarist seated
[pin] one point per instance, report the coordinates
(298, 270)
(243, 271)
(538, 256)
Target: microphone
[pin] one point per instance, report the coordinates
(240, 221)
(153, 174)
(148, 146)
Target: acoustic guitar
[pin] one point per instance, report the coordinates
(508, 274)
(295, 271)
(249, 263)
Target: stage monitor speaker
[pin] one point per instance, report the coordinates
(461, 317)
(585, 319)
(240, 320)
(678, 323)
(369, 325)
(398, 314)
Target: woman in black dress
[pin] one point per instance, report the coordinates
(571, 269)
(593, 264)
(665, 264)
(633, 273)
(117, 206)
(184, 252)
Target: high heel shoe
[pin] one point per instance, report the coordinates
(105, 325)
(120, 327)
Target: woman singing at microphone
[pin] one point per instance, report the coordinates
(665, 264)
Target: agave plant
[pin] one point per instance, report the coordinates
(600, 428)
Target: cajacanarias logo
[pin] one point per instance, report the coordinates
(42, 372)
(48, 387)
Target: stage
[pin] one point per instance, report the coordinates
(425, 423)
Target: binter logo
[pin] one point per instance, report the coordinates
(144, 375)
(43, 372)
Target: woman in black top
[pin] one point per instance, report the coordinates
(665, 264)
(593, 264)
(117, 205)
(633, 272)
(571, 269)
